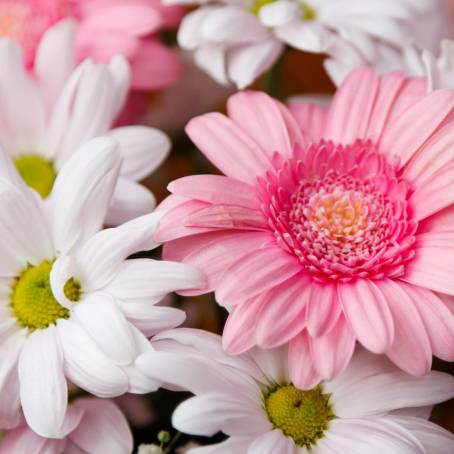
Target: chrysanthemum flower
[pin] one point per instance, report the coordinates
(104, 28)
(236, 41)
(371, 407)
(92, 426)
(41, 135)
(72, 307)
(320, 237)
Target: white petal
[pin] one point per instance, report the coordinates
(435, 439)
(374, 436)
(248, 62)
(63, 269)
(22, 112)
(56, 45)
(274, 442)
(120, 73)
(106, 325)
(86, 366)
(210, 413)
(130, 200)
(143, 150)
(24, 230)
(9, 381)
(43, 388)
(212, 59)
(279, 13)
(311, 37)
(101, 258)
(82, 193)
(151, 280)
(229, 446)
(103, 428)
(389, 391)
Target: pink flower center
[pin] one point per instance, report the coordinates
(342, 210)
(25, 21)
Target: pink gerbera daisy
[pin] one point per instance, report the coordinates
(336, 232)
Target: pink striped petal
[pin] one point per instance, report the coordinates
(408, 132)
(411, 349)
(228, 147)
(215, 252)
(311, 118)
(367, 310)
(216, 189)
(436, 193)
(432, 267)
(300, 365)
(265, 122)
(332, 353)
(238, 335)
(226, 217)
(352, 107)
(437, 319)
(264, 268)
(323, 309)
(282, 315)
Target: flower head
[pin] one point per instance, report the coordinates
(91, 426)
(100, 33)
(236, 41)
(330, 227)
(73, 307)
(40, 130)
(252, 400)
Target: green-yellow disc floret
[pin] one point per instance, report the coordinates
(308, 13)
(302, 415)
(33, 302)
(38, 172)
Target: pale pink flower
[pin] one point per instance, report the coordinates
(329, 231)
(372, 407)
(104, 29)
(92, 426)
(73, 307)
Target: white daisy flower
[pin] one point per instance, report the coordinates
(370, 408)
(72, 307)
(238, 40)
(40, 136)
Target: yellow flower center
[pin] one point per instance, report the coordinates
(33, 302)
(37, 172)
(301, 415)
(308, 13)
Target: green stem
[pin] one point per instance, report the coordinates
(273, 78)
(171, 445)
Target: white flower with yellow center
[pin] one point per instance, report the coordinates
(235, 41)
(72, 307)
(41, 133)
(372, 407)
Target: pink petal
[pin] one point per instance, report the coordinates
(323, 309)
(238, 335)
(434, 195)
(154, 66)
(311, 118)
(215, 252)
(367, 310)
(433, 263)
(352, 106)
(228, 147)
(216, 189)
(332, 352)
(282, 316)
(406, 134)
(261, 118)
(265, 268)
(437, 319)
(411, 349)
(300, 365)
